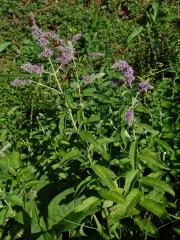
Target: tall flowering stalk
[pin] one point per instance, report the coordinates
(64, 54)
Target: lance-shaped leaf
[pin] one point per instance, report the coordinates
(133, 154)
(159, 184)
(130, 179)
(112, 195)
(146, 226)
(106, 175)
(4, 45)
(135, 33)
(88, 137)
(154, 207)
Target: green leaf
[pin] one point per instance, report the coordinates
(87, 203)
(155, 7)
(57, 211)
(133, 154)
(33, 212)
(93, 118)
(62, 124)
(69, 100)
(154, 207)
(146, 226)
(11, 160)
(4, 45)
(151, 159)
(70, 155)
(133, 197)
(88, 137)
(106, 176)
(71, 214)
(89, 92)
(83, 182)
(111, 195)
(130, 179)
(57, 200)
(136, 32)
(123, 136)
(159, 184)
(14, 200)
(118, 212)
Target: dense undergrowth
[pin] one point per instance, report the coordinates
(89, 124)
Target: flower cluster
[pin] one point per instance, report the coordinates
(90, 78)
(20, 82)
(75, 38)
(42, 37)
(46, 53)
(126, 69)
(144, 86)
(66, 54)
(32, 68)
(129, 117)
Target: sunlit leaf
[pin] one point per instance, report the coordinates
(154, 207)
(159, 184)
(106, 175)
(4, 45)
(135, 33)
(146, 226)
(130, 179)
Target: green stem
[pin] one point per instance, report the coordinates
(61, 92)
(53, 89)
(79, 90)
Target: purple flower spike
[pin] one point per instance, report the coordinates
(120, 65)
(47, 53)
(32, 68)
(129, 75)
(67, 54)
(129, 117)
(126, 69)
(88, 79)
(40, 36)
(20, 82)
(144, 86)
(76, 37)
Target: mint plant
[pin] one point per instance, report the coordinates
(94, 167)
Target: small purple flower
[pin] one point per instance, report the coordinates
(67, 54)
(88, 79)
(144, 86)
(76, 37)
(46, 53)
(40, 36)
(129, 117)
(32, 68)
(20, 82)
(126, 69)
(129, 75)
(120, 65)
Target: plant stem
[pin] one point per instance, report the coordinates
(53, 89)
(79, 90)
(61, 92)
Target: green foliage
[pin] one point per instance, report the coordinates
(70, 166)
